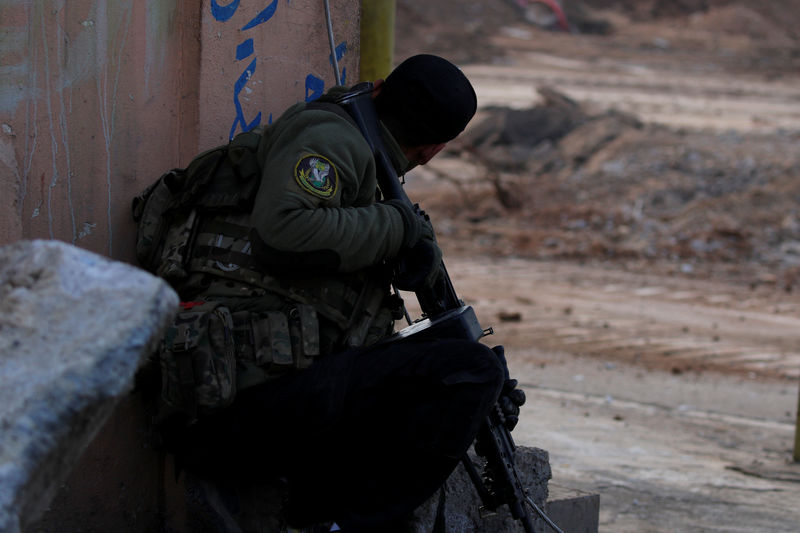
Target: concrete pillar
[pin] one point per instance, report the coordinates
(98, 98)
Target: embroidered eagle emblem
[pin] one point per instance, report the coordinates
(317, 175)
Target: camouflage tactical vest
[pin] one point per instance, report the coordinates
(193, 224)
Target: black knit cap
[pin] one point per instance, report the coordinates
(430, 98)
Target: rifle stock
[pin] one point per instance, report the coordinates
(447, 316)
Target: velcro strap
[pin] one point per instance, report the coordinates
(217, 226)
(225, 256)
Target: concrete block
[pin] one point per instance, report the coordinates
(572, 510)
(74, 327)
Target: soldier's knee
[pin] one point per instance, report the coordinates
(478, 364)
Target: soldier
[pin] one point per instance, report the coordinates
(362, 431)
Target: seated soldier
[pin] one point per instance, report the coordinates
(362, 431)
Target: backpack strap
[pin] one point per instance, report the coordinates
(329, 105)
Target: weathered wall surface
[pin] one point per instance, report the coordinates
(97, 99)
(93, 95)
(258, 57)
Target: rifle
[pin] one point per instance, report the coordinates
(446, 316)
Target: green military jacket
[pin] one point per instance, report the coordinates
(316, 236)
(318, 192)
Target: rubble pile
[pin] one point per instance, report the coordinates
(558, 183)
(564, 181)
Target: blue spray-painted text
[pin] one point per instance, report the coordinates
(314, 85)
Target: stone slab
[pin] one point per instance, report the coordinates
(74, 328)
(572, 510)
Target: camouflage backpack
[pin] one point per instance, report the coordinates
(197, 353)
(167, 213)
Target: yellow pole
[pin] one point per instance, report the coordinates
(377, 39)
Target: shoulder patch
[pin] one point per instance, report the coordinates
(317, 175)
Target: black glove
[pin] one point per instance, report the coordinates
(511, 398)
(416, 225)
(418, 267)
(420, 258)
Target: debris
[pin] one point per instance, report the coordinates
(509, 316)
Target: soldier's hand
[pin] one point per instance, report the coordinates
(419, 266)
(416, 225)
(511, 398)
(420, 258)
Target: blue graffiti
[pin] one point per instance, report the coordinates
(262, 17)
(223, 13)
(314, 86)
(340, 51)
(245, 49)
(237, 88)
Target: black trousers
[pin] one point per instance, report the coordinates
(363, 437)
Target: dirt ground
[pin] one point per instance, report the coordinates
(624, 212)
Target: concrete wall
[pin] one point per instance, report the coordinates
(97, 99)
(261, 57)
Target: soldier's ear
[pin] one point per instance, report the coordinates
(376, 87)
(419, 155)
(429, 150)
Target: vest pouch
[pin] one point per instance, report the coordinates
(177, 246)
(148, 209)
(198, 363)
(304, 334)
(271, 343)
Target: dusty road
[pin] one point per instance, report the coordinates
(663, 322)
(636, 398)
